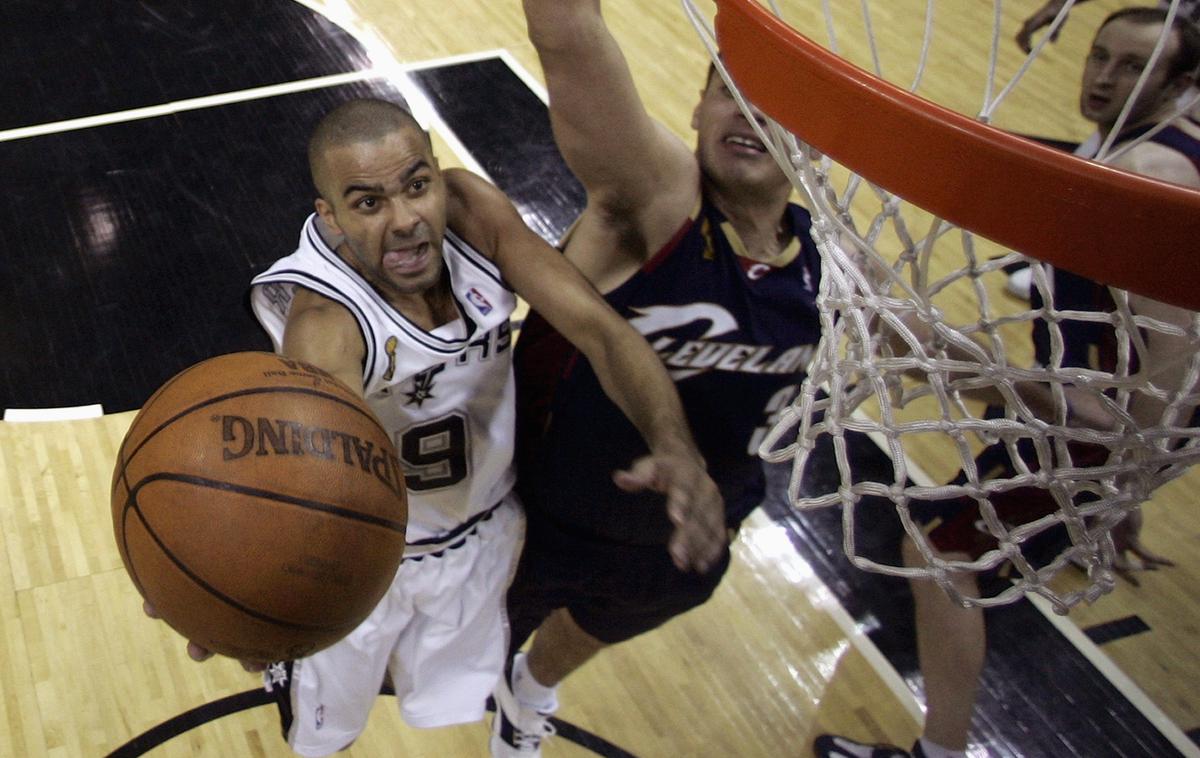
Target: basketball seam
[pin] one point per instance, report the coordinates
(131, 505)
(258, 492)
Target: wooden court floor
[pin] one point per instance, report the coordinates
(758, 671)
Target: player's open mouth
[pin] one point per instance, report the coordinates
(406, 260)
(745, 144)
(1096, 102)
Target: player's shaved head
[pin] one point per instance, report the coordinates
(364, 120)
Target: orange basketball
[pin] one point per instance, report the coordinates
(259, 506)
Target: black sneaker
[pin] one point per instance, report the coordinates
(835, 746)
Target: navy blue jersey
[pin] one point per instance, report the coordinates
(1086, 344)
(736, 336)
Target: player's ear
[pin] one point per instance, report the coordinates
(325, 211)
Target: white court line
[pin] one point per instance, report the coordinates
(31, 415)
(190, 104)
(1136, 696)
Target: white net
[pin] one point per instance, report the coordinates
(1050, 409)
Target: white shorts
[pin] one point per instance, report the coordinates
(440, 630)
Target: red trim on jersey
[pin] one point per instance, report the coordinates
(663, 252)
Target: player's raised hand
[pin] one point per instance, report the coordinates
(1132, 554)
(1041, 18)
(694, 505)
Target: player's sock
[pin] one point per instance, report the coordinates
(529, 691)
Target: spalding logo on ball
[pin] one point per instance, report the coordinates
(259, 506)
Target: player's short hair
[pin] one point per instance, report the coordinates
(360, 120)
(1187, 58)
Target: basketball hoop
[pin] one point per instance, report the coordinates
(892, 301)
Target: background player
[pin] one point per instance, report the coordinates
(703, 253)
(410, 302)
(951, 640)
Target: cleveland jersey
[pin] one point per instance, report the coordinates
(445, 396)
(736, 336)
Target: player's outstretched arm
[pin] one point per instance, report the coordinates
(624, 158)
(630, 372)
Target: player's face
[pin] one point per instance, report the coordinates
(1119, 54)
(729, 151)
(387, 198)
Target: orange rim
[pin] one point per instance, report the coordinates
(1118, 228)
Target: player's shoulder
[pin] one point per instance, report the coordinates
(477, 210)
(1160, 161)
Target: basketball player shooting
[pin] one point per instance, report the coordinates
(951, 640)
(400, 287)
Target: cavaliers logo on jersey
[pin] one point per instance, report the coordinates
(662, 326)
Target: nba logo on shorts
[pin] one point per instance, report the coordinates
(319, 716)
(476, 298)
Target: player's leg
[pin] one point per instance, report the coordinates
(559, 648)
(950, 639)
(605, 593)
(951, 644)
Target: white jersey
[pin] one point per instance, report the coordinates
(445, 396)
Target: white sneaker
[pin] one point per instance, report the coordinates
(1020, 283)
(517, 731)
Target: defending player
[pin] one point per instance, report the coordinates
(951, 640)
(702, 252)
(408, 297)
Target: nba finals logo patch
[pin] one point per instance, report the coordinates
(476, 298)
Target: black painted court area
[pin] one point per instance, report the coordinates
(125, 252)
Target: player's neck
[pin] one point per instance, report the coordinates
(1162, 114)
(758, 218)
(429, 309)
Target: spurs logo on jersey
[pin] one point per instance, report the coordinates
(421, 385)
(688, 357)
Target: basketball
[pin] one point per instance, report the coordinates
(259, 506)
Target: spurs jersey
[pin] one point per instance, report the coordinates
(736, 336)
(445, 396)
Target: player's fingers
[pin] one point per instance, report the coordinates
(642, 475)
(149, 609)
(1152, 560)
(198, 653)
(253, 667)
(698, 539)
(1024, 41)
